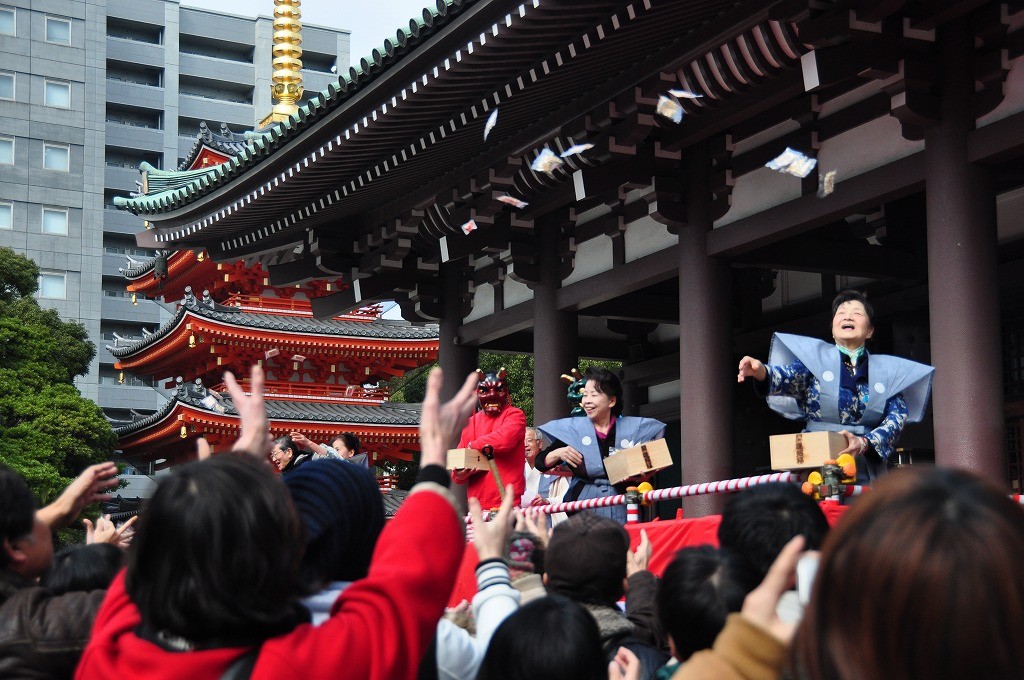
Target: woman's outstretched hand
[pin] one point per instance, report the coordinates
(751, 368)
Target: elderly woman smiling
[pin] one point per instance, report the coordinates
(582, 444)
(841, 387)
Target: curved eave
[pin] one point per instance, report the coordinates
(434, 125)
(172, 340)
(179, 263)
(431, 26)
(167, 422)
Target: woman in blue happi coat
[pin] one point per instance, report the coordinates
(867, 398)
(581, 444)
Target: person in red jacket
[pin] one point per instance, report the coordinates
(210, 582)
(501, 426)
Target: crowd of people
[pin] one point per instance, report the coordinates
(236, 571)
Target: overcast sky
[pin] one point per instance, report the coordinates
(370, 22)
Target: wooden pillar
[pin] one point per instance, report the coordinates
(555, 333)
(963, 289)
(456, 360)
(706, 374)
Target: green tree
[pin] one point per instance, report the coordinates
(50, 432)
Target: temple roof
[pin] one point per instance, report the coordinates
(378, 329)
(387, 414)
(523, 48)
(137, 269)
(224, 141)
(259, 144)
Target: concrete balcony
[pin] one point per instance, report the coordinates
(122, 309)
(224, 70)
(216, 111)
(121, 222)
(135, 94)
(125, 397)
(135, 137)
(123, 179)
(135, 52)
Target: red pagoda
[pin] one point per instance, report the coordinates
(324, 376)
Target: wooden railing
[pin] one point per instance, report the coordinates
(275, 389)
(298, 306)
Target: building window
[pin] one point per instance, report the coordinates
(53, 285)
(6, 85)
(57, 157)
(55, 221)
(7, 25)
(58, 30)
(6, 215)
(57, 93)
(6, 150)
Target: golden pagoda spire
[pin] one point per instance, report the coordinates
(287, 77)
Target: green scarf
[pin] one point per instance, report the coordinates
(854, 354)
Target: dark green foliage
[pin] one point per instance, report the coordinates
(18, 275)
(49, 432)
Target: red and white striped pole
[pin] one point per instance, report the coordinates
(723, 486)
(632, 505)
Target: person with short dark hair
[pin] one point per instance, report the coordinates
(343, 447)
(42, 634)
(697, 591)
(759, 521)
(841, 387)
(83, 567)
(588, 560)
(286, 455)
(580, 445)
(550, 638)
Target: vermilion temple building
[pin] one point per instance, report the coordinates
(227, 317)
(666, 245)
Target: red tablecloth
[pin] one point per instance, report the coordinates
(667, 537)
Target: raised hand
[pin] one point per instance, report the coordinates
(88, 488)
(759, 606)
(751, 368)
(637, 560)
(489, 538)
(106, 532)
(625, 666)
(441, 424)
(527, 522)
(252, 413)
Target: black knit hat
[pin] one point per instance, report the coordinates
(341, 508)
(586, 559)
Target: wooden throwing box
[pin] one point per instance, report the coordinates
(469, 459)
(638, 460)
(805, 449)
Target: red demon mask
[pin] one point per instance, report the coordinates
(492, 392)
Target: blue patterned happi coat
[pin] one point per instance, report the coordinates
(811, 380)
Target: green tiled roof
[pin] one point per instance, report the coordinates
(180, 192)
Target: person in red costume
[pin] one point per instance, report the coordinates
(501, 426)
